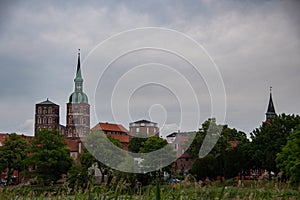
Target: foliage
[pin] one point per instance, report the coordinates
(269, 139)
(102, 150)
(289, 159)
(50, 156)
(12, 154)
(136, 143)
(79, 176)
(223, 159)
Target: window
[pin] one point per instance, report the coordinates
(50, 110)
(176, 146)
(147, 130)
(39, 110)
(137, 129)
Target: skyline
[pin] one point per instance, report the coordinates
(255, 45)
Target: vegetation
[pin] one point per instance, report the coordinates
(12, 155)
(180, 191)
(288, 160)
(50, 155)
(274, 147)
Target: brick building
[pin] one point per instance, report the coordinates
(78, 109)
(143, 128)
(116, 130)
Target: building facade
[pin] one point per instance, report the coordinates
(46, 116)
(78, 109)
(143, 128)
(117, 131)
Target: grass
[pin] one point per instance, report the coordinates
(178, 191)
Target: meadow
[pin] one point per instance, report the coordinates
(174, 191)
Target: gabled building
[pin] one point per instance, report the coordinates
(116, 130)
(46, 116)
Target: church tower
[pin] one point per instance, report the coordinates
(46, 116)
(271, 109)
(78, 108)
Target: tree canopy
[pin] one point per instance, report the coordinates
(50, 156)
(12, 154)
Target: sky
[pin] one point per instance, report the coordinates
(251, 45)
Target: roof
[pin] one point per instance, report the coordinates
(110, 127)
(47, 102)
(233, 144)
(172, 134)
(73, 144)
(271, 108)
(143, 121)
(122, 138)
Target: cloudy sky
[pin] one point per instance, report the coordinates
(254, 44)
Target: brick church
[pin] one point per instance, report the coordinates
(78, 112)
(77, 115)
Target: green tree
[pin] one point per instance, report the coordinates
(12, 154)
(288, 160)
(79, 176)
(225, 157)
(50, 156)
(98, 146)
(269, 139)
(136, 143)
(204, 167)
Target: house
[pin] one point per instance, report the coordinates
(144, 128)
(117, 131)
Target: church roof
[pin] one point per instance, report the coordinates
(47, 102)
(271, 108)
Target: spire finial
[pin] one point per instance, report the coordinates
(270, 89)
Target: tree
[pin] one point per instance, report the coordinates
(136, 143)
(288, 160)
(97, 145)
(226, 158)
(12, 154)
(204, 167)
(269, 139)
(50, 156)
(78, 175)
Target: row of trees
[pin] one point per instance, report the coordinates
(274, 146)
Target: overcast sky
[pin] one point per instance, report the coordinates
(254, 44)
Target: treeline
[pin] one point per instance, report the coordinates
(274, 146)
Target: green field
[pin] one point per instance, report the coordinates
(180, 191)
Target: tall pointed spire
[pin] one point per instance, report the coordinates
(271, 109)
(78, 96)
(78, 71)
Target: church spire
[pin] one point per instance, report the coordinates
(78, 77)
(271, 109)
(78, 96)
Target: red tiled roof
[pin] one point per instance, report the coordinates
(110, 127)
(233, 143)
(73, 144)
(122, 138)
(3, 136)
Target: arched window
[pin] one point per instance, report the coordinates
(39, 110)
(50, 110)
